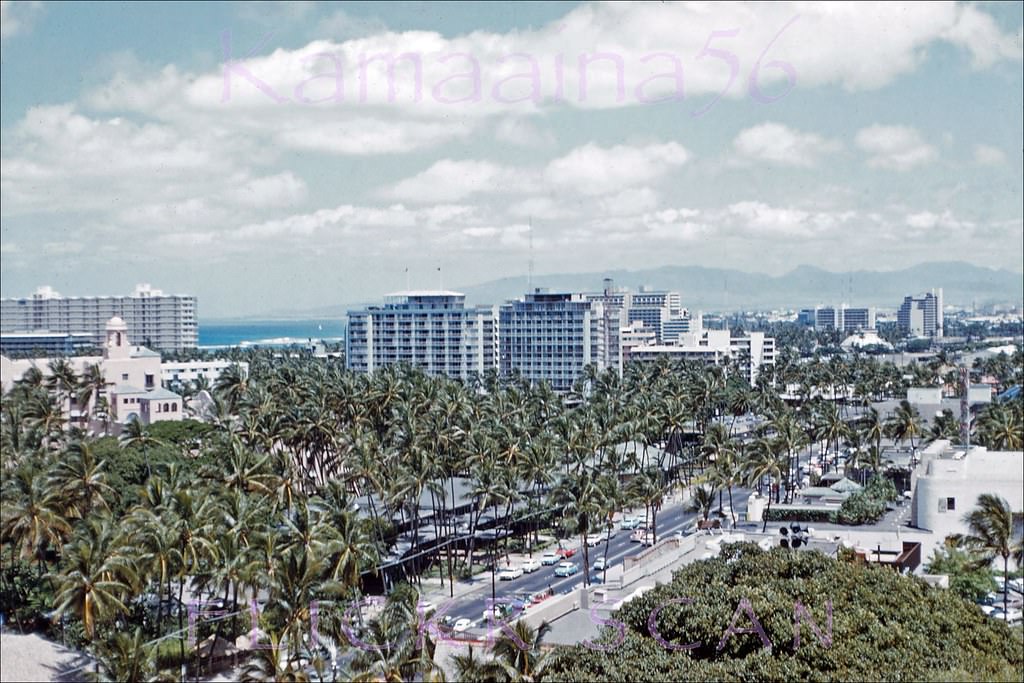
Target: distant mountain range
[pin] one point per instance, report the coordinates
(721, 289)
(714, 289)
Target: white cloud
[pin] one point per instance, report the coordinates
(979, 33)
(520, 131)
(779, 144)
(899, 148)
(630, 201)
(450, 180)
(987, 155)
(594, 170)
(17, 17)
(926, 222)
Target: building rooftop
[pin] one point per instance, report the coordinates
(423, 293)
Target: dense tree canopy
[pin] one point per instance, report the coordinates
(884, 627)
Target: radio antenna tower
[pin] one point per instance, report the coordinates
(529, 264)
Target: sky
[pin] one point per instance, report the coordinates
(284, 156)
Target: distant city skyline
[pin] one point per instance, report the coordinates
(258, 157)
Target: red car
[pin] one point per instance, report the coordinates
(566, 553)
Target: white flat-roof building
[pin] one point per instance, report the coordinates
(552, 336)
(158, 320)
(751, 352)
(430, 330)
(172, 372)
(953, 478)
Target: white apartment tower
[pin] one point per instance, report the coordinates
(154, 319)
(553, 337)
(921, 316)
(430, 330)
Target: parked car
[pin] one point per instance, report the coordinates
(531, 565)
(566, 569)
(600, 565)
(549, 558)
(541, 596)
(510, 573)
(462, 625)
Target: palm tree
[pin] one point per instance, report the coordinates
(472, 667)
(33, 517)
(135, 435)
(703, 500)
(765, 463)
(579, 499)
(905, 423)
(1001, 429)
(127, 657)
(270, 663)
(81, 481)
(991, 536)
(91, 387)
(519, 653)
(96, 579)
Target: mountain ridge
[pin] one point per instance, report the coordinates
(723, 289)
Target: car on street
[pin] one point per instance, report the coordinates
(638, 536)
(549, 558)
(462, 625)
(600, 565)
(566, 569)
(531, 565)
(566, 553)
(629, 523)
(541, 596)
(594, 540)
(509, 573)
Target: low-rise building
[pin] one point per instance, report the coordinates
(750, 353)
(951, 479)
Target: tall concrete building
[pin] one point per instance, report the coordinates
(552, 336)
(430, 330)
(921, 316)
(655, 309)
(845, 318)
(154, 319)
(616, 302)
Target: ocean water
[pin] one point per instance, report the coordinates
(268, 332)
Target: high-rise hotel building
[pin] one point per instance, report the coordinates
(553, 337)
(154, 319)
(921, 316)
(430, 330)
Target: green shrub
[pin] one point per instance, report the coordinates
(789, 515)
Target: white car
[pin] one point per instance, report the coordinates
(462, 625)
(600, 565)
(594, 540)
(531, 565)
(510, 573)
